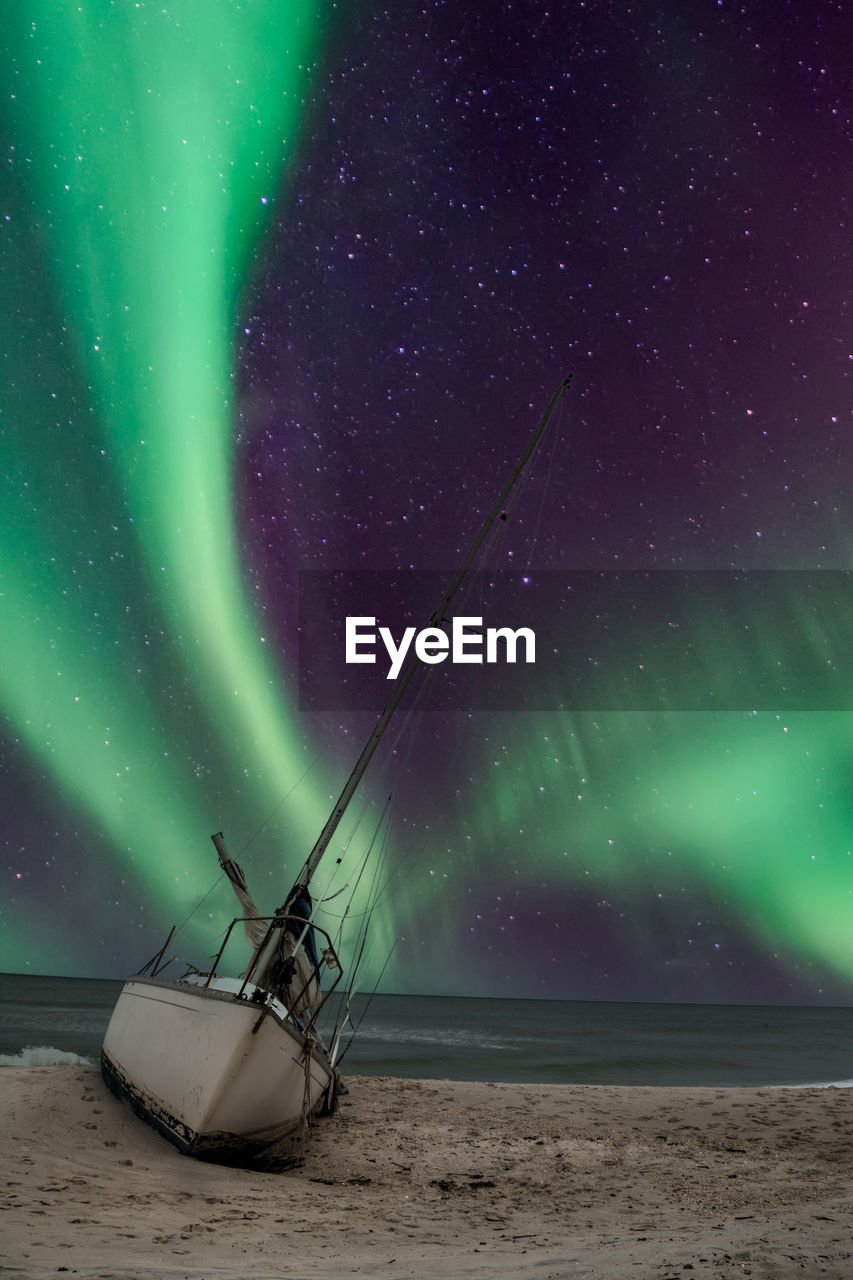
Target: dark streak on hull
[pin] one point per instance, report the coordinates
(223, 1147)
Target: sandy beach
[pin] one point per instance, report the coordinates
(435, 1178)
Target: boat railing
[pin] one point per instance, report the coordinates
(297, 926)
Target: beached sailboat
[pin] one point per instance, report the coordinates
(226, 1066)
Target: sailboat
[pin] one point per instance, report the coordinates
(226, 1066)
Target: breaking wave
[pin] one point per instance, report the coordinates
(818, 1084)
(43, 1055)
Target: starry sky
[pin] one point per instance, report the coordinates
(286, 288)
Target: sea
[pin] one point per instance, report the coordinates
(47, 1021)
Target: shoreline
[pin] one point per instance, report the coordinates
(440, 1178)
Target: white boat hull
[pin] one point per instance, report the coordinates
(215, 1074)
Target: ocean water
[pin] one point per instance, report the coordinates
(50, 1021)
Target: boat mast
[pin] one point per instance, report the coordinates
(405, 677)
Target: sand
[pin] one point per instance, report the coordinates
(433, 1178)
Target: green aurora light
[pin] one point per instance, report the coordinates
(148, 149)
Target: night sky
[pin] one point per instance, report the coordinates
(287, 288)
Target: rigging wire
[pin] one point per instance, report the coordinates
(546, 486)
(361, 937)
(365, 917)
(321, 901)
(356, 1026)
(252, 838)
(324, 895)
(493, 557)
(268, 819)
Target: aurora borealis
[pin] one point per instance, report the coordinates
(127, 628)
(286, 288)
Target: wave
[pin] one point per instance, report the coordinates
(817, 1084)
(445, 1036)
(44, 1055)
